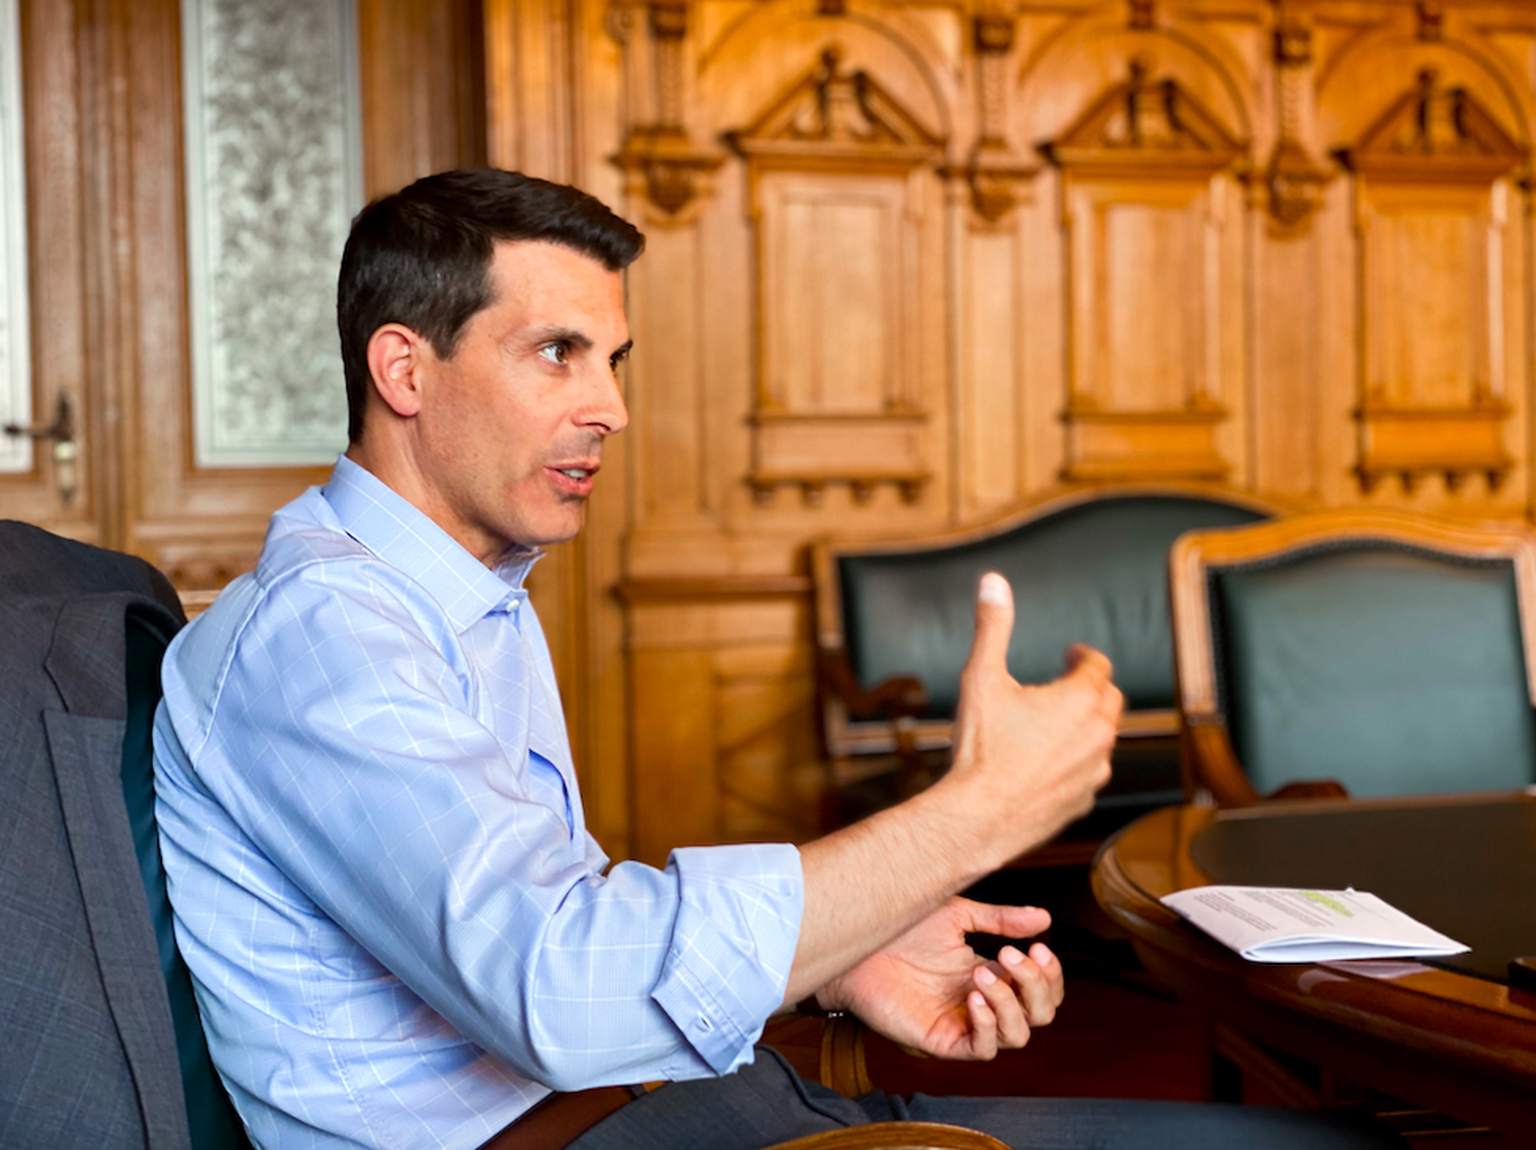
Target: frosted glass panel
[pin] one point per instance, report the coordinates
(273, 179)
(15, 358)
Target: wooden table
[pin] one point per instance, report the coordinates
(1447, 1039)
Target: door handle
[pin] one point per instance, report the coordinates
(61, 433)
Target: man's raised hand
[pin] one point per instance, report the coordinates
(1027, 760)
(1035, 756)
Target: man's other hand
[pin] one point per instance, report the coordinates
(927, 989)
(1037, 754)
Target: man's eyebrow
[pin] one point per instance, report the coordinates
(569, 335)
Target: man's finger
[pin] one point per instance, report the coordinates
(1050, 966)
(1007, 921)
(1032, 984)
(994, 622)
(1002, 997)
(1088, 662)
(983, 1038)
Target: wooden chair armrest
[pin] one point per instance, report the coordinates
(896, 1136)
(1211, 762)
(898, 697)
(842, 1056)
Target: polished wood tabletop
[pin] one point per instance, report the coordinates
(1456, 1039)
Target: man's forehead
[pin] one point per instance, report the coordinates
(547, 276)
(513, 255)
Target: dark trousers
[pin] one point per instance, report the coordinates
(767, 1102)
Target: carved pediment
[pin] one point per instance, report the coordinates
(832, 113)
(1431, 133)
(1145, 124)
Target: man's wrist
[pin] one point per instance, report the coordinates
(825, 1001)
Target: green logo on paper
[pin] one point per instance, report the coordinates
(1332, 904)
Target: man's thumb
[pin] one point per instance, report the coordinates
(994, 621)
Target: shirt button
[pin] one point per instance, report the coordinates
(704, 1024)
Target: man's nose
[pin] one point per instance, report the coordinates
(606, 413)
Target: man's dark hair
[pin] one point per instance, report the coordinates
(421, 257)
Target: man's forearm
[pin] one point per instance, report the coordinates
(867, 883)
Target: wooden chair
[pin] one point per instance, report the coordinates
(1355, 653)
(895, 619)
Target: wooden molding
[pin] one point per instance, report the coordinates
(1110, 446)
(1411, 442)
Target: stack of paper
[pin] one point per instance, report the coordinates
(1280, 924)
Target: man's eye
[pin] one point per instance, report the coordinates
(555, 352)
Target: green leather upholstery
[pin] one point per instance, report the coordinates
(210, 1114)
(1093, 572)
(1391, 670)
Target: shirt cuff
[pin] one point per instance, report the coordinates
(732, 946)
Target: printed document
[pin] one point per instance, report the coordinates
(1281, 924)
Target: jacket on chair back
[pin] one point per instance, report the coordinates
(89, 1055)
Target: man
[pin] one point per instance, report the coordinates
(401, 933)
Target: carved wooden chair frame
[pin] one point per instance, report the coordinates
(1210, 764)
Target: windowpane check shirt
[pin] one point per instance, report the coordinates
(400, 931)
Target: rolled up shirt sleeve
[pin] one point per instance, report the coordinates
(733, 941)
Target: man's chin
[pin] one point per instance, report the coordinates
(555, 533)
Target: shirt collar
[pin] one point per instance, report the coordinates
(397, 532)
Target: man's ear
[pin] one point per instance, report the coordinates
(395, 357)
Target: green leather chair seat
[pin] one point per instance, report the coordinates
(211, 1116)
(1393, 671)
(1094, 572)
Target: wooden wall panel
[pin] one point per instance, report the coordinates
(423, 80)
(1226, 284)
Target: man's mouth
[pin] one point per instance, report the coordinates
(574, 479)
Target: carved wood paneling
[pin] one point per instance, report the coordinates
(1172, 287)
(836, 169)
(1146, 208)
(1432, 204)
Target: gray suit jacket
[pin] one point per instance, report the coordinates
(87, 1050)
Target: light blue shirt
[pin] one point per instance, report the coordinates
(398, 926)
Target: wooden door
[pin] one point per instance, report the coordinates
(52, 103)
(107, 86)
